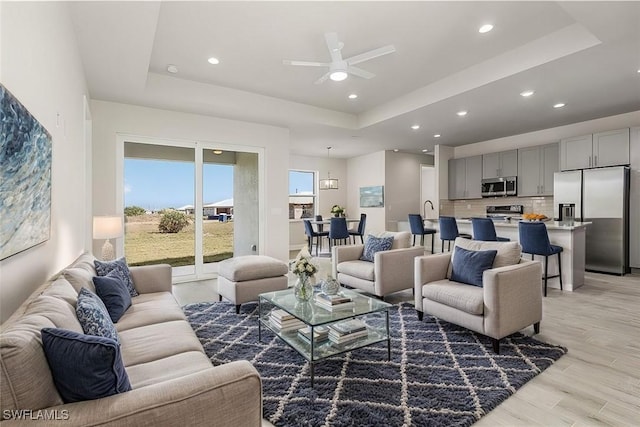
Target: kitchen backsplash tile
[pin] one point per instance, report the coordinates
(466, 208)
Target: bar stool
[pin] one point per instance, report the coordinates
(534, 240)
(418, 229)
(308, 230)
(449, 231)
(485, 230)
(338, 231)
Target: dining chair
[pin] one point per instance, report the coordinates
(484, 229)
(320, 226)
(359, 231)
(534, 240)
(311, 233)
(416, 224)
(449, 231)
(338, 231)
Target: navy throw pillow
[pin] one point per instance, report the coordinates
(468, 266)
(84, 367)
(375, 244)
(94, 316)
(114, 294)
(120, 268)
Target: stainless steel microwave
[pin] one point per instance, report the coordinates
(499, 187)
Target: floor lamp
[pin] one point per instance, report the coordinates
(107, 227)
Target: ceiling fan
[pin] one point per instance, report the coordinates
(339, 69)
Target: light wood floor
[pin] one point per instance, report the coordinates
(596, 383)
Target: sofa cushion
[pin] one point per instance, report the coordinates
(94, 316)
(62, 289)
(79, 278)
(468, 266)
(375, 244)
(120, 268)
(401, 239)
(508, 253)
(463, 297)
(149, 309)
(114, 294)
(58, 311)
(361, 269)
(168, 368)
(84, 367)
(251, 267)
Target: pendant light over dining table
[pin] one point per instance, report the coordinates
(329, 183)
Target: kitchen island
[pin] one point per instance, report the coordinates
(572, 238)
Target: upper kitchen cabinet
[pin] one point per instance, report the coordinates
(598, 150)
(464, 178)
(536, 166)
(498, 165)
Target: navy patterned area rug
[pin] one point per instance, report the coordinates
(440, 374)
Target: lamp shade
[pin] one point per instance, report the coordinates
(107, 227)
(329, 184)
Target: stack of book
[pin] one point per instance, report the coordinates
(347, 331)
(320, 334)
(283, 321)
(333, 302)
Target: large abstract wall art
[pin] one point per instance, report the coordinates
(25, 178)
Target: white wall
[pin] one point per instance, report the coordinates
(111, 119)
(40, 65)
(326, 198)
(366, 171)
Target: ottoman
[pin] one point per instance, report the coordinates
(241, 279)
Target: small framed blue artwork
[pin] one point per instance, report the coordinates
(25, 178)
(372, 197)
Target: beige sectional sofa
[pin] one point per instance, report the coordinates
(173, 382)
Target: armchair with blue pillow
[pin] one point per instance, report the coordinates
(483, 286)
(382, 266)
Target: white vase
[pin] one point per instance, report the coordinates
(303, 289)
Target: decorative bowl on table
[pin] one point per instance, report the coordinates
(534, 217)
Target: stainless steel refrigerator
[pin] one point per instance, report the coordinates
(601, 196)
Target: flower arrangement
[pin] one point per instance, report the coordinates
(303, 268)
(337, 210)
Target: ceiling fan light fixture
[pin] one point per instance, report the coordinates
(338, 75)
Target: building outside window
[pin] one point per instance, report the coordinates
(302, 194)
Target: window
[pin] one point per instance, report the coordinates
(302, 194)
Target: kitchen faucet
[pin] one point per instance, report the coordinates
(424, 207)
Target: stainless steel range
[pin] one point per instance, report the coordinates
(505, 212)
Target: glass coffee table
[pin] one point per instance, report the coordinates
(371, 312)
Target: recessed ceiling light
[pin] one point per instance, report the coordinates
(559, 105)
(353, 96)
(437, 135)
(461, 113)
(395, 150)
(415, 127)
(217, 151)
(213, 60)
(527, 93)
(172, 69)
(485, 28)
(425, 150)
(338, 75)
(639, 70)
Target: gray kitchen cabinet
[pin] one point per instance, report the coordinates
(536, 166)
(464, 178)
(597, 150)
(502, 164)
(634, 198)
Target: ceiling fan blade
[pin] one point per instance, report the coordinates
(305, 63)
(360, 73)
(385, 50)
(334, 45)
(323, 78)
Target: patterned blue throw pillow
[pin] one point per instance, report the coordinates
(84, 367)
(114, 294)
(120, 268)
(468, 266)
(375, 244)
(94, 316)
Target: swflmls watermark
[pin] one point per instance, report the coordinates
(36, 414)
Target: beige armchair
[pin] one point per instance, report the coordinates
(509, 300)
(391, 270)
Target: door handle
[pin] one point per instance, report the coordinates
(589, 161)
(595, 160)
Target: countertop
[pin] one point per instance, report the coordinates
(551, 225)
